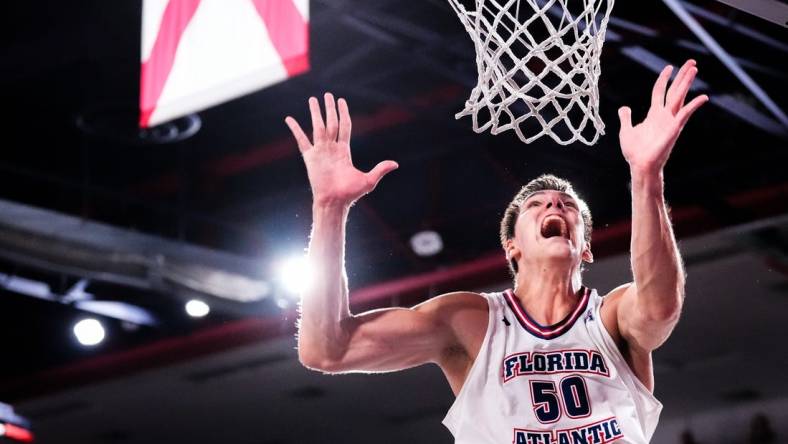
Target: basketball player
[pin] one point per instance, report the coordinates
(549, 362)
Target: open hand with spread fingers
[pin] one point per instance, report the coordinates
(332, 176)
(647, 145)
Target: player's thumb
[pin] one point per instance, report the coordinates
(381, 170)
(625, 115)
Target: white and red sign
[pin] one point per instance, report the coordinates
(199, 53)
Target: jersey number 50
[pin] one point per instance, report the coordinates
(549, 404)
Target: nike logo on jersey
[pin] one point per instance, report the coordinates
(589, 316)
(560, 361)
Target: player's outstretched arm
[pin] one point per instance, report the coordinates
(650, 308)
(331, 338)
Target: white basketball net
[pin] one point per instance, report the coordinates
(538, 67)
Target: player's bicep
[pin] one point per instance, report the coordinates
(391, 339)
(635, 326)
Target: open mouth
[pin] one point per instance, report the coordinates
(554, 226)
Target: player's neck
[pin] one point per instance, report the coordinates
(548, 294)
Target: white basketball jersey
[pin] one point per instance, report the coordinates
(566, 383)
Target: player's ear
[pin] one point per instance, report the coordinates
(587, 256)
(512, 252)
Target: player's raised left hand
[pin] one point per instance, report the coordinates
(647, 145)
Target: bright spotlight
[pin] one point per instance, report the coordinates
(89, 332)
(197, 309)
(295, 274)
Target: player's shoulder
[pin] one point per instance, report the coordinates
(612, 299)
(615, 295)
(456, 309)
(609, 310)
(458, 300)
(465, 315)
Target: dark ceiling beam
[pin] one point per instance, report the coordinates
(775, 11)
(124, 199)
(730, 25)
(61, 243)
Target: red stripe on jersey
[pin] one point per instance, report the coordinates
(550, 331)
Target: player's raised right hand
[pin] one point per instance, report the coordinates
(334, 179)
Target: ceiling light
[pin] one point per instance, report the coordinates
(197, 309)
(89, 332)
(426, 243)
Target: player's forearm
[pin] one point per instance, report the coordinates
(324, 306)
(656, 263)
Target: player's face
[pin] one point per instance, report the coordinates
(550, 226)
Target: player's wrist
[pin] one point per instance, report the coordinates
(649, 180)
(331, 203)
(652, 172)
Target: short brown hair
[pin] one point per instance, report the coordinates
(541, 183)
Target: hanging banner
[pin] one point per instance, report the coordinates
(199, 53)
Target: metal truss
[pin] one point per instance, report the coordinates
(775, 11)
(681, 12)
